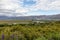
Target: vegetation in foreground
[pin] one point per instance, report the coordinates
(35, 31)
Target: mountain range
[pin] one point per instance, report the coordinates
(40, 17)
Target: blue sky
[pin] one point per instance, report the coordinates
(27, 3)
(29, 7)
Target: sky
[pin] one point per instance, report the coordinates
(29, 7)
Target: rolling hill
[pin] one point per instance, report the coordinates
(41, 17)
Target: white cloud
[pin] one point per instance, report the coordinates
(22, 10)
(13, 5)
(47, 5)
(17, 6)
(55, 5)
(8, 4)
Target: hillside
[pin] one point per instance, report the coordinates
(41, 17)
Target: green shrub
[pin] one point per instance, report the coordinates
(41, 38)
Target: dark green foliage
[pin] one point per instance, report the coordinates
(31, 31)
